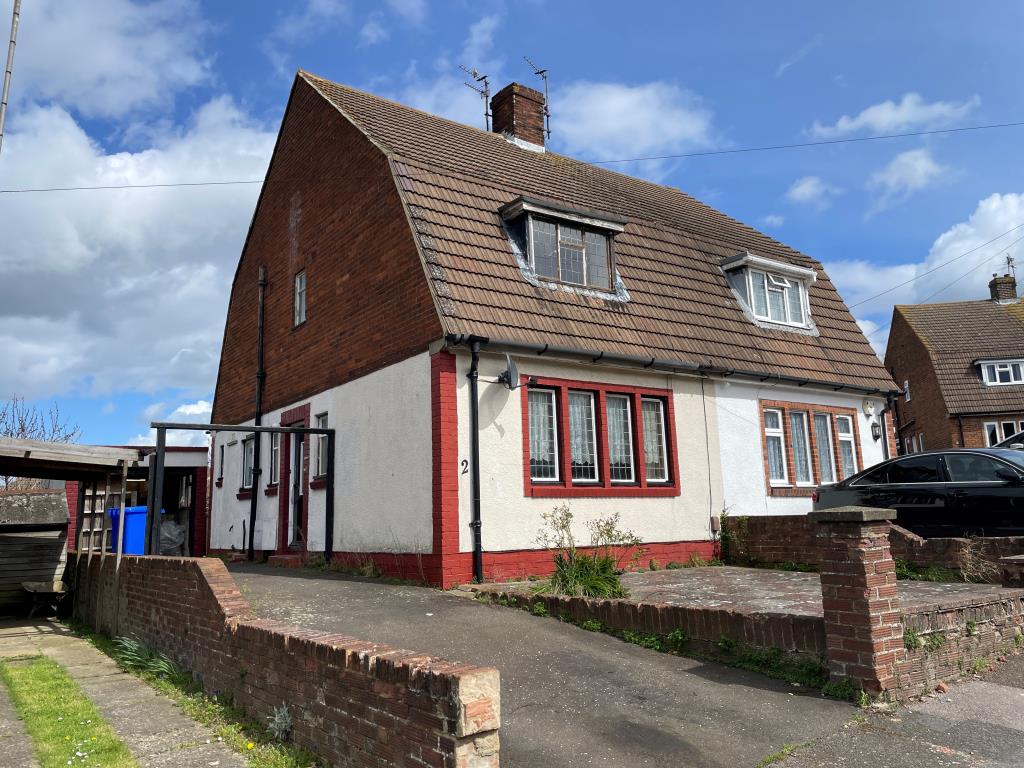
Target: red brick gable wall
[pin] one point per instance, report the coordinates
(330, 207)
(907, 359)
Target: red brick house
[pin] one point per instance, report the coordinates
(672, 362)
(961, 367)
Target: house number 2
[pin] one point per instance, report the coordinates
(465, 466)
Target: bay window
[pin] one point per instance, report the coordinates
(590, 439)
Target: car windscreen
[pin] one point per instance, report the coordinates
(916, 469)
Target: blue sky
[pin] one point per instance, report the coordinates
(112, 303)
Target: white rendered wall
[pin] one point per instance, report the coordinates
(383, 462)
(742, 454)
(511, 520)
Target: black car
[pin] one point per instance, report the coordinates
(965, 492)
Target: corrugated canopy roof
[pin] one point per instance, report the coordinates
(455, 179)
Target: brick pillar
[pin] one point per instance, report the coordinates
(863, 629)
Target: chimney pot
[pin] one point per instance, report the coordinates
(1003, 288)
(518, 111)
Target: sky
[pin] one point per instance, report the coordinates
(112, 302)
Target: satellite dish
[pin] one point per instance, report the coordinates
(510, 376)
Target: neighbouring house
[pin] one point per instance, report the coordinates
(961, 367)
(672, 362)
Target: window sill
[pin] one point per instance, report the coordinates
(270, 490)
(791, 492)
(599, 492)
(244, 493)
(318, 482)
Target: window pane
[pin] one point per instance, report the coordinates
(1004, 374)
(620, 439)
(1016, 371)
(796, 305)
(772, 420)
(848, 457)
(844, 425)
(801, 451)
(275, 467)
(990, 373)
(776, 306)
(991, 434)
(1007, 429)
(919, 469)
(760, 293)
(570, 254)
(545, 248)
(967, 468)
(823, 443)
(738, 280)
(654, 440)
(776, 459)
(582, 437)
(300, 298)
(597, 260)
(543, 450)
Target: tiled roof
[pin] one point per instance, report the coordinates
(958, 333)
(455, 178)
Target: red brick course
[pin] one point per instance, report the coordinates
(352, 702)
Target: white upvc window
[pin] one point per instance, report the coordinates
(583, 437)
(320, 422)
(991, 433)
(655, 441)
(847, 446)
(920, 441)
(274, 470)
(543, 435)
(775, 442)
(620, 439)
(800, 435)
(247, 461)
(300, 298)
(998, 373)
(824, 448)
(906, 390)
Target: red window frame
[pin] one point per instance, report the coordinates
(564, 487)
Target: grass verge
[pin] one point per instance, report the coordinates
(65, 726)
(238, 731)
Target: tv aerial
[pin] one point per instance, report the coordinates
(484, 89)
(543, 75)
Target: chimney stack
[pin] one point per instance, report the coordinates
(518, 112)
(1003, 288)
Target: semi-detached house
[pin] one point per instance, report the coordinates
(672, 363)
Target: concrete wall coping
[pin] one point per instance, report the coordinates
(853, 515)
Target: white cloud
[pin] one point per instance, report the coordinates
(186, 413)
(911, 113)
(812, 190)
(413, 11)
(773, 220)
(905, 174)
(307, 20)
(373, 31)
(927, 280)
(118, 290)
(106, 58)
(799, 54)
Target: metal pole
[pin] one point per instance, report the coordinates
(157, 462)
(329, 511)
(474, 450)
(258, 420)
(10, 68)
(120, 518)
(103, 519)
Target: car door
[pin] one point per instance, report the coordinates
(986, 495)
(917, 490)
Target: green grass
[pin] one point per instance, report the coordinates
(779, 756)
(913, 572)
(65, 726)
(239, 732)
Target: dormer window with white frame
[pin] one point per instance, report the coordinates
(771, 292)
(570, 248)
(997, 373)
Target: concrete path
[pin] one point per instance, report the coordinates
(149, 724)
(569, 697)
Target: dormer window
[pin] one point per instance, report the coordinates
(1000, 372)
(572, 248)
(772, 292)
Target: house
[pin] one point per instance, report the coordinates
(961, 367)
(672, 362)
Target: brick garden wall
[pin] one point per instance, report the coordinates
(352, 702)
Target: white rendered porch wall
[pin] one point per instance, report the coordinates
(742, 456)
(383, 462)
(511, 520)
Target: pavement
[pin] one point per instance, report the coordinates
(150, 725)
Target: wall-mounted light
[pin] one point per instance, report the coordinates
(876, 430)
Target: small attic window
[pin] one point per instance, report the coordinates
(773, 292)
(573, 248)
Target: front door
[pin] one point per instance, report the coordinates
(297, 493)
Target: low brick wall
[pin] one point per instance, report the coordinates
(951, 637)
(703, 627)
(352, 702)
(778, 539)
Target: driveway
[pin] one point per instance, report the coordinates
(569, 697)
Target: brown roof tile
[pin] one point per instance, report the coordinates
(455, 178)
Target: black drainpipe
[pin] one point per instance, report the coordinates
(475, 343)
(258, 420)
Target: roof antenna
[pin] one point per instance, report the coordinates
(484, 91)
(1010, 266)
(543, 74)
